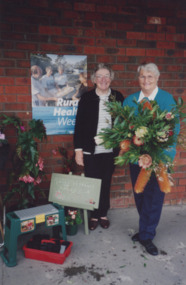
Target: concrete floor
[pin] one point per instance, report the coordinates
(109, 257)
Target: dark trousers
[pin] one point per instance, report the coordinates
(149, 204)
(100, 166)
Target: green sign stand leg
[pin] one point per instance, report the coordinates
(86, 221)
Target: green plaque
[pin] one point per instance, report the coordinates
(75, 191)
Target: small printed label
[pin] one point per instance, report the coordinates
(40, 218)
(27, 226)
(52, 220)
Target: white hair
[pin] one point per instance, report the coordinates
(152, 67)
(102, 66)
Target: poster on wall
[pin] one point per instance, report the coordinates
(57, 83)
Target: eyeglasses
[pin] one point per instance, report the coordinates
(103, 76)
(149, 78)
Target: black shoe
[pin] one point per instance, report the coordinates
(93, 223)
(104, 223)
(135, 237)
(149, 246)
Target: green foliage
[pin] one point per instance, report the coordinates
(37, 129)
(154, 128)
(73, 217)
(7, 120)
(68, 162)
(27, 169)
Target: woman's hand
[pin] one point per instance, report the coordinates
(79, 157)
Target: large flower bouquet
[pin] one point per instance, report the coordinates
(143, 136)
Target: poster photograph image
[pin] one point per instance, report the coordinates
(57, 83)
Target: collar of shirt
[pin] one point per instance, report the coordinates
(105, 95)
(151, 97)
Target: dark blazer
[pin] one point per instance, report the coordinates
(87, 119)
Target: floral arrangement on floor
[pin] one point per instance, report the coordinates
(142, 138)
(73, 217)
(27, 172)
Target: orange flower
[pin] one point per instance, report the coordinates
(147, 105)
(162, 178)
(125, 145)
(142, 180)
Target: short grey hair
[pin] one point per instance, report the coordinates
(152, 67)
(102, 66)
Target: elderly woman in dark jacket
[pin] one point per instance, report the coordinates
(92, 116)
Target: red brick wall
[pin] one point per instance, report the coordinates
(123, 33)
